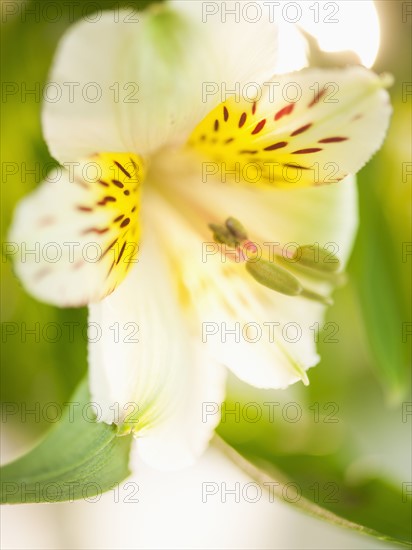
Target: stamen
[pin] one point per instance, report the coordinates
(317, 258)
(222, 235)
(271, 275)
(275, 273)
(231, 234)
(236, 228)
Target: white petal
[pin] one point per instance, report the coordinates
(311, 127)
(184, 435)
(149, 71)
(76, 236)
(274, 342)
(242, 44)
(151, 367)
(85, 118)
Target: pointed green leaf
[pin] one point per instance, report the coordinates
(317, 485)
(79, 458)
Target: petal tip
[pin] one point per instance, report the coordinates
(305, 379)
(387, 80)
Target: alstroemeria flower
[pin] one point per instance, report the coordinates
(157, 161)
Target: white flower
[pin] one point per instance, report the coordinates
(161, 164)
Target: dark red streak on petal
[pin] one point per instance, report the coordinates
(216, 127)
(121, 253)
(298, 166)
(96, 230)
(259, 127)
(108, 248)
(285, 111)
(84, 208)
(301, 130)
(106, 200)
(125, 223)
(278, 145)
(123, 169)
(118, 183)
(306, 151)
(318, 96)
(254, 108)
(333, 140)
(242, 120)
(111, 268)
(225, 114)
(103, 183)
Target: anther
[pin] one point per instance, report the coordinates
(274, 277)
(232, 234)
(320, 259)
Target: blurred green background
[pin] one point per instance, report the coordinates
(366, 374)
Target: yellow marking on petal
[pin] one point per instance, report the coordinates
(316, 139)
(114, 183)
(242, 142)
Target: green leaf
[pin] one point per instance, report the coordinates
(381, 263)
(376, 266)
(320, 486)
(79, 458)
(320, 444)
